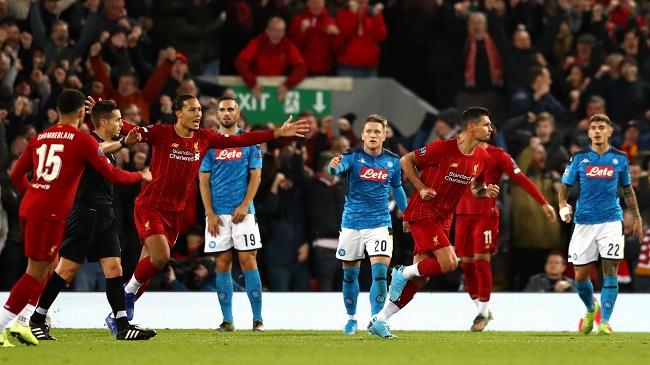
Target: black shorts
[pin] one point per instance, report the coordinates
(90, 233)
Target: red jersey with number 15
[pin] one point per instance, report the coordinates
(57, 156)
(175, 161)
(450, 173)
(499, 163)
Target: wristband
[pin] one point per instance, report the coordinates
(123, 143)
(564, 211)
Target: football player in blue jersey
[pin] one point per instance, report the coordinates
(228, 180)
(600, 171)
(372, 172)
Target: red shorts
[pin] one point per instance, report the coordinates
(429, 235)
(476, 234)
(42, 237)
(151, 222)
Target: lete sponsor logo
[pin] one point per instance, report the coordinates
(602, 172)
(373, 174)
(230, 154)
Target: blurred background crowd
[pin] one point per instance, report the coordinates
(542, 67)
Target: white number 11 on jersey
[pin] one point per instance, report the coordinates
(50, 167)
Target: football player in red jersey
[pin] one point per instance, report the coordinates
(477, 230)
(446, 170)
(177, 152)
(57, 157)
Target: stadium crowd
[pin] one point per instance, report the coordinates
(541, 67)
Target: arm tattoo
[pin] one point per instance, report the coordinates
(630, 201)
(563, 194)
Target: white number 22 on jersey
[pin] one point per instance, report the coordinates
(49, 164)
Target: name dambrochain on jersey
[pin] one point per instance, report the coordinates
(373, 174)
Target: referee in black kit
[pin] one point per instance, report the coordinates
(91, 233)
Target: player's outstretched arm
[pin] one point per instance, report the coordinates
(409, 164)
(131, 139)
(630, 202)
(299, 128)
(565, 209)
(94, 156)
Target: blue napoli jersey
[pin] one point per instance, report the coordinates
(599, 177)
(229, 175)
(370, 179)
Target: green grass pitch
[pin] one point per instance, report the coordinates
(330, 347)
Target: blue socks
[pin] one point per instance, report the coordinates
(379, 287)
(224, 291)
(608, 296)
(254, 290)
(351, 289)
(586, 292)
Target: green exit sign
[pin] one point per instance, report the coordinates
(269, 109)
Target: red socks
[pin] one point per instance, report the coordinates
(145, 270)
(429, 267)
(407, 294)
(26, 287)
(471, 283)
(484, 279)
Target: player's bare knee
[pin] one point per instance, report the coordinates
(67, 273)
(248, 261)
(610, 267)
(158, 261)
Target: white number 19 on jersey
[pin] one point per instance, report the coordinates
(49, 164)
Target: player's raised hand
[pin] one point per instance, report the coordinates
(565, 213)
(427, 193)
(90, 103)
(550, 212)
(239, 214)
(132, 137)
(335, 162)
(213, 224)
(298, 128)
(492, 191)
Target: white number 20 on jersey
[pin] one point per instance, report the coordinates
(49, 164)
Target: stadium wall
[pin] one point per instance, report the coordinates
(325, 311)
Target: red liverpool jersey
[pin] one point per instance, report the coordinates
(57, 156)
(175, 161)
(450, 173)
(499, 162)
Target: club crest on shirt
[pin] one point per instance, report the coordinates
(435, 241)
(475, 168)
(196, 147)
(147, 226)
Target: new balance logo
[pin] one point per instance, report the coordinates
(368, 173)
(454, 165)
(230, 154)
(601, 172)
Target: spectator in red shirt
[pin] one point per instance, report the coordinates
(314, 31)
(271, 54)
(128, 91)
(362, 28)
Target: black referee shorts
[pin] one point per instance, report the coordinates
(90, 233)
